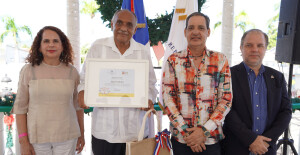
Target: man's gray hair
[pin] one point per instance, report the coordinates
(255, 30)
(119, 11)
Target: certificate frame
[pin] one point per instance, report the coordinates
(110, 93)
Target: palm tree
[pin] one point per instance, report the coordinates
(73, 29)
(90, 8)
(241, 21)
(12, 29)
(227, 28)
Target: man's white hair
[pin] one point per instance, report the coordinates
(114, 19)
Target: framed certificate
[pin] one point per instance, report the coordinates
(116, 83)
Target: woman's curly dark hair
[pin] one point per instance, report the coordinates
(35, 57)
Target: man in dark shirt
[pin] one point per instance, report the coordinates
(261, 108)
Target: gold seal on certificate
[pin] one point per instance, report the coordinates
(116, 83)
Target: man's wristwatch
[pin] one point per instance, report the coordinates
(206, 133)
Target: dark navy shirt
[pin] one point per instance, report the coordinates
(258, 91)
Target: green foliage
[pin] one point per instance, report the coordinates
(200, 4)
(295, 100)
(272, 28)
(158, 28)
(272, 32)
(25, 46)
(108, 8)
(90, 8)
(8, 100)
(82, 59)
(83, 51)
(13, 29)
(219, 23)
(241, 21)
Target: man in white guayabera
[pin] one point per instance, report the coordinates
(113, 127)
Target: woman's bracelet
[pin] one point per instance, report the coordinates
(23, 134)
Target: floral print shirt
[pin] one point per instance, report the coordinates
(197, 96)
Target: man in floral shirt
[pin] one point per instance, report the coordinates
(196, 87)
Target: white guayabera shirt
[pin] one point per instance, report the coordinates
(118, 125)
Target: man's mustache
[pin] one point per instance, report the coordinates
(122, 32)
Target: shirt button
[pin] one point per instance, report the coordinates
(256, 93)
(256, 105)
(256, 130)
(254, 81)
(257, 117)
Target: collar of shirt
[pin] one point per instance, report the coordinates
(111, 43)
(205, 52)
(248, 69)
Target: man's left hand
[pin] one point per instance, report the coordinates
(260, 145)
(150, 106)
(196, 140)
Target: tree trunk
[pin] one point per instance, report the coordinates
(73, 29)
(227, 28)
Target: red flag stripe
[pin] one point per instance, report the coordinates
(132, 5)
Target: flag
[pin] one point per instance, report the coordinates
(176, 40)
(137, 6)
(141, 36)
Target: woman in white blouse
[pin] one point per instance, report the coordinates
(48, 117)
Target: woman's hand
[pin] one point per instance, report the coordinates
(26, 148)
(80, 144)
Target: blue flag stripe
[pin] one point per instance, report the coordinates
(142, 34)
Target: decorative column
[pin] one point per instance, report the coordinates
(227, 28)
(73, 29)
